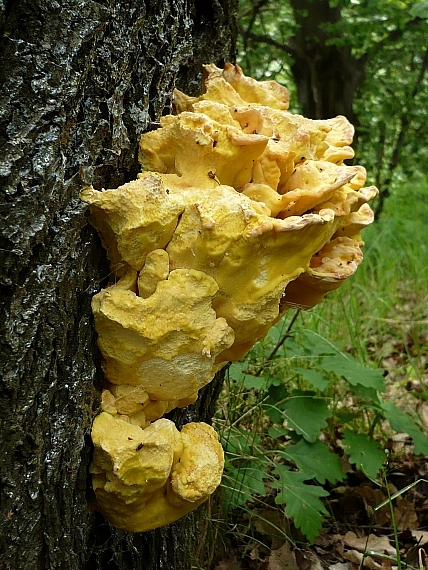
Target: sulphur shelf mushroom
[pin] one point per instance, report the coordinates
(241, 211)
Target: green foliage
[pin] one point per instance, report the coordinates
(372, 316)
(401, 422)
(386, 300)
(354, 372)
(315, 460)
(302, 501)
(282, 438)
(419, 10)
(244, 469)
(364, 452)
(305, 414)
(241, 483)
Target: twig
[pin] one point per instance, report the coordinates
(279, 343)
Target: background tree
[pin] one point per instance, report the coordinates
(81, 80)
(363, 59)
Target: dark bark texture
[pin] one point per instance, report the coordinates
(327, 76)
(81, 80)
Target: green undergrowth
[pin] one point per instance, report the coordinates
(387, 299)
(314, 392)
(295, 415)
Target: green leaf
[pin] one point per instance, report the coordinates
(316, 345)
(315, 378)
(315, 460)
(275, 432)
(369, 394)
(345, 417)
(292, 347)
(235, 370)
(274, 413)
(254, 382)
(275, 333)
(302, 502)
(364, 452)
(354, 372)
(419, 10)
(401, 422)
(306, 415)
(278, 392)
(260, 382)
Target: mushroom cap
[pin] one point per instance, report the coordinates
(246, 195)
(199, 471)
(268, 93)
(142, 345)
(146, 478)
(129, 456)
(192, 145)
(335, 262)
(154, 270)
(251, 256)
(133, 219)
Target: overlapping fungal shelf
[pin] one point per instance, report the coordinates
(241, 211)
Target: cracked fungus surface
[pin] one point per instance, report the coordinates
(242, 210)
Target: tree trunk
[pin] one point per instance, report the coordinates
(326, 76)
(81, 81)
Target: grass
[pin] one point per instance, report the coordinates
(388, 296)
(380, 318)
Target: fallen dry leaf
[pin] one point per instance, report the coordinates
(421, 536)
(271, 523)
(405, 514)
(424, 414)
(371, 543)
(308, 560)
(231, 563)
(371, 498)
(339, 566)
(282, 559)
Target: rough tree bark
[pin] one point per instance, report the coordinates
(81, 80)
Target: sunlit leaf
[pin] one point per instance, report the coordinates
(354, 371)
(419, 10)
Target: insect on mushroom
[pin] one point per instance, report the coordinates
(212, 175)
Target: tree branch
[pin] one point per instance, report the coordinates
(260, 39)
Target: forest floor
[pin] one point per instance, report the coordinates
(353, 528)
(387, 327)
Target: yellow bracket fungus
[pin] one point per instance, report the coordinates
(146, 478)
(241, 211)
